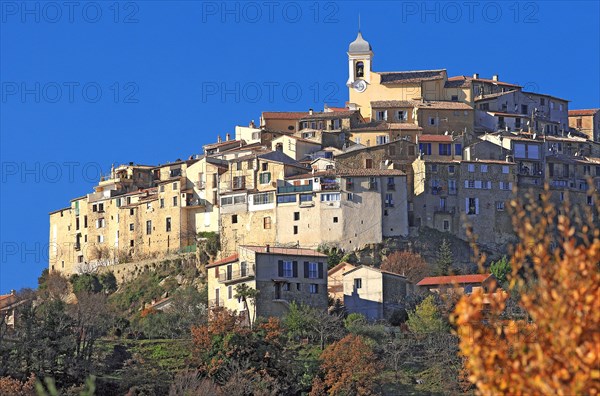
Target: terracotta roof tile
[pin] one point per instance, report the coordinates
(284, 115)
(434, 138)
(444, 105)
(284, 251)
(414, 76)
(583, 112)
(225, 260)
(455, 279)
(350, 173)
(377, 104)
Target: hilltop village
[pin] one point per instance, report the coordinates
(410, 151)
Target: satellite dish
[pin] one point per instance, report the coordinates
(534, 136)
(446, 133)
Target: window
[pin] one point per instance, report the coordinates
(432, 120)
(168, 224)
(296, 216)
(446, 225)
(306, 197)
(500, 206)
(381, 115)
(587, 170)
(229, 292)
(472, 206)
(239, 182)
(130, 226)
(100, 223)
(579, 123)
(542, 101)
(335, 219)
(382, 139)
(360, 69)
(368, 163)
(313, 270)
(162, 203)
(288, 269)
(457, 149)
(263, 198)
(313, 288)
(162, 188)
(234, 219)
(84, 221)
(265, 178)
(484, 168)
(389, 200)
(401, 115)
(100, 239)
(286, 198)
(445, 149)
(450, 168)
(295, 230)
(372, 183)
(451, 186)
(471, 168)
(174, 186)
(358, 283)
(505, 169)
(131, 242)
(425, 148)
(350, 197)
(455, 98)
(330, 197)
(148, 227)
(524, 109)
(267, 222)
(391, 185)
(175, 200)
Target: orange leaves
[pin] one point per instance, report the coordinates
(554, 350)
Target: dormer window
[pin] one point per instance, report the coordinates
(360, 69)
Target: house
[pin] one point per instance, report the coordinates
(8, 304)
(373, 292)
(335, 280)
(280, 275)
(586, 121)
(461, 283)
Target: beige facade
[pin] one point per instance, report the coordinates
(280, 275)
(335, 280)
(295, 147)
(374, 293)
(586, 122)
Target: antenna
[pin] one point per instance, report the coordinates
(359, 21)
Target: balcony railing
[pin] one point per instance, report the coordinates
(330, 186)
(232, 276)
(293, 189)
(196, 203)
(444, 209)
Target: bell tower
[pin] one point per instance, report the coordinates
(360, 57)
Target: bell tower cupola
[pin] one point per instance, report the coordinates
(360, 56)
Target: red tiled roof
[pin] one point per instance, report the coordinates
(583, 112)
(448, 280)
(434, 138)
(284, 115)
(350, 173)
(226, 260)
(467, 79)
(7, 299)
(337, 108)
(284, 251)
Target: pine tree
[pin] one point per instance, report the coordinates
(444, 259)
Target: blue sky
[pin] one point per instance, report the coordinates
(92, 84)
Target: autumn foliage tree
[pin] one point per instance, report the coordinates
(409, 264)
(555, 268)
(349, 366)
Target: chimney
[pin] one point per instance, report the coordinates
(13, 292)
(252, 124)
(310, 111)
(476, 75)
(495, 77)
(227, 137)
(267, 248)
(219, 139)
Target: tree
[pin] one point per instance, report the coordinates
(555, 267)
(350, 367)
(500, 269)
(409, 264)
(444, 259)
(247, 294)
(426, 318)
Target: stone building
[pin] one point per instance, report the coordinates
(587, 122)
(373, 292)
(280, 275)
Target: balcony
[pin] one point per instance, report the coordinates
(444, 209)
(294, 189)
(215, 303)
(330, 186)
(196, 203)
(235, 276)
